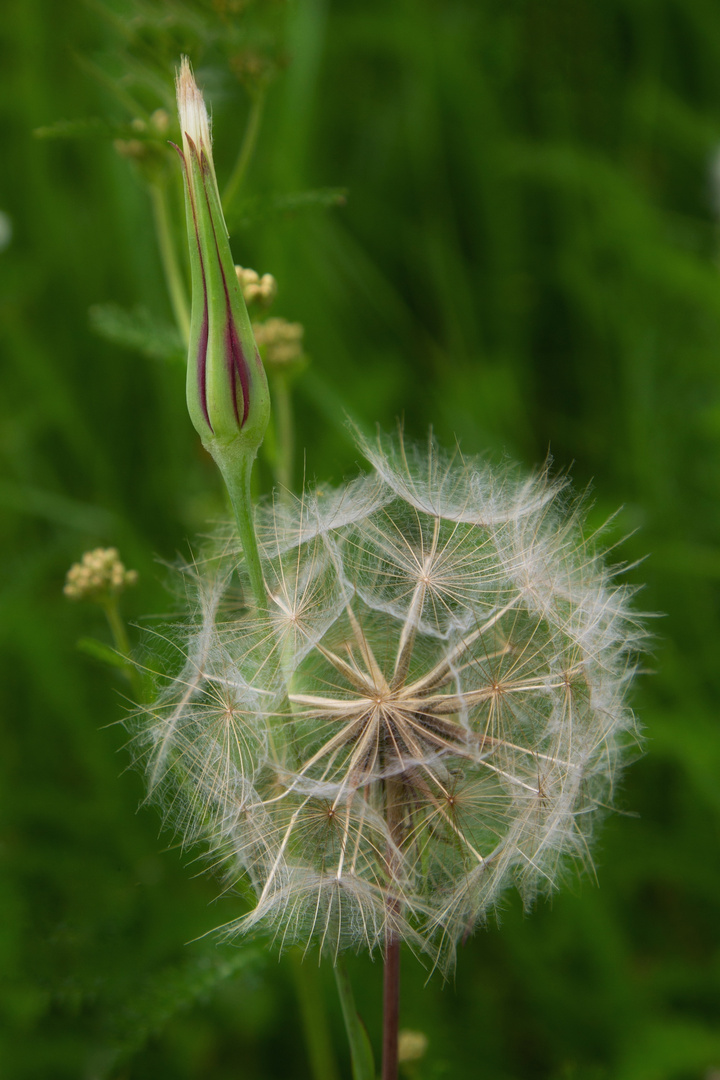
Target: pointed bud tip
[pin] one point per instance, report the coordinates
(194, 121)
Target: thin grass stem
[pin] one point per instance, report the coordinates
(121, 642)
(284, 431)
(169, 258)
(314, 1019)
(247, 148)
(363, 1064)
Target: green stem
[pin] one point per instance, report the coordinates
(121, 641)
(363, 1065)
(236, 475)
(247, 147)
(314, 1019)
(117, 626)
(168, 255)
(284, 430)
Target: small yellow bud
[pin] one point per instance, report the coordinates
(268, 286)
(280, 340)
(412, 1045)
(256, 289)
(161, 121)
(246, 276)
(99, 576)
(131, 148)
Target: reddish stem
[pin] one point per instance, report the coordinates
(391, 1008)
(391, 983)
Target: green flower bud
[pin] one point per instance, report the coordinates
(227, 390)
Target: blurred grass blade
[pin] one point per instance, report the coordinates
(174, 989)
(137, 330)
(264, 208)
(99, 651)
(363, 1062)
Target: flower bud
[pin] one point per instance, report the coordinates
(412, 1046)
(227, 390)
(99, 576)
(281, 341)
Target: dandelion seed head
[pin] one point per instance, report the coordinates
(432, 709)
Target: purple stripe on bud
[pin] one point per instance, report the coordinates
(237, 366)
(236, 363)
(202, 359)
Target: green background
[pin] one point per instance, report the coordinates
(527, 258)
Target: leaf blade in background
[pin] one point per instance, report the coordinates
(137, 330)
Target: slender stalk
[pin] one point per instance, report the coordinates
(121, 642)
(237, 481)
(361, 1055)
(117, 626)
(314, 1019)
(168, 255)
(247, 147)
(284, 430)
(391, 1008)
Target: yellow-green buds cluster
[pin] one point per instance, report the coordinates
(227, 390)
(147, 151)
(99, 576)
(256, 289)
(412, 1046)
(280, 340)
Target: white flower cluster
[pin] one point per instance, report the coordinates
(431, 708)
(280, 340)
(256, 288)
(98, 576)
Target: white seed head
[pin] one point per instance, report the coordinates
(433, 709)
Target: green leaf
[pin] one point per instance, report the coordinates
(671, 1046)
(50, 506)
(90, 128)
(363, 1062)
(137, 330)
(173, 989)
(99, 651)
(94, 128)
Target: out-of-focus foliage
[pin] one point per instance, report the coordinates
(493, 217)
